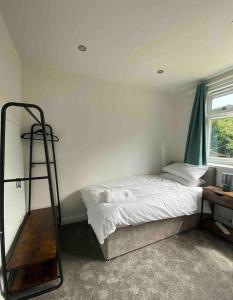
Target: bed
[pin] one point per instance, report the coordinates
(162, 208)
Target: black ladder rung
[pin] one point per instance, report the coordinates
(25, 179)
(41, 163)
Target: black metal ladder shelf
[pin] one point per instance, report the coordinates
(34, 256)
(36, 135)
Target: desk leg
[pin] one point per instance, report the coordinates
(202, 205)
(213, 207)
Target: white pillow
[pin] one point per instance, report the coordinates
(182, 180)
(186, 171)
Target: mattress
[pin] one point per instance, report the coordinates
(157, 198)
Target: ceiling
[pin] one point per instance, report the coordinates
(127, 40)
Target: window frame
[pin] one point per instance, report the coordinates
(212, 114)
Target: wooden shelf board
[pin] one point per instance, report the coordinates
(210, 224)
(219, 190)
(33, 276)
(216, 195)
(36, 243)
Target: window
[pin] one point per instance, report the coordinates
(220, 127)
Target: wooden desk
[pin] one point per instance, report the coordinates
(215, 195)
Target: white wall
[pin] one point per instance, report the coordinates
(179, 115)
(10, 89)
(107, 130)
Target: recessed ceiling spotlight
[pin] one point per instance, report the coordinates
(160, 71)
(82, 48)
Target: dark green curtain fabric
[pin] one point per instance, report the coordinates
(195, 152)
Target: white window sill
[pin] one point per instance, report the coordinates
(222, 166)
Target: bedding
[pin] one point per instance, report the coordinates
(187, 182)
(155, 198)
(116, 196)
(186, 171)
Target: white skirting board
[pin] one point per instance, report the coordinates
(74, 219)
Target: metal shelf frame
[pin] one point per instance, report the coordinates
(41, 122)
(34, 130)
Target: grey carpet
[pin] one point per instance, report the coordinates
(195, 265)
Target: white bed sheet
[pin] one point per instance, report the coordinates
(157, 198)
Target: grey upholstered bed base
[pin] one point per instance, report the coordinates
(130, 238)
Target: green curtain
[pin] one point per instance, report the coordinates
(195, 152)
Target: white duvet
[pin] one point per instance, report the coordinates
(156, 198)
